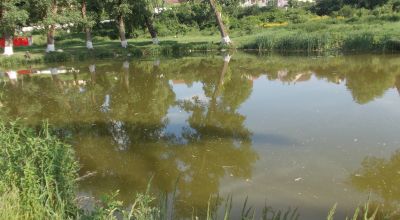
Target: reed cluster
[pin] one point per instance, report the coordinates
(301, 41)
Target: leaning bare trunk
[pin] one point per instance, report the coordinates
(121, 27)
(221, 26)
(8, 49)
(152, 30)
(89, 42)
(218, 88)
(398, 83)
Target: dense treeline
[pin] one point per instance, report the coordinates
(125, 19)
(50, 15)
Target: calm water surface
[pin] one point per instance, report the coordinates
(300, 132)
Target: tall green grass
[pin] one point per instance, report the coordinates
(37, 175)
(333, 37)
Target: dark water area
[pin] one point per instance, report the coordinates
(305, 132)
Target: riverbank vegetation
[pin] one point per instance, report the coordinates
(98, 29)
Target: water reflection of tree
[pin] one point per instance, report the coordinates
(367, 77)
(142, 108)
(367, 86)
(382, 178)
(216, 137)
(215, 142)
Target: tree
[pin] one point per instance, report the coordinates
(326, 7)
(119, 10)
(147, 8)
(54, 13)
(221, 26)
(12, 16)
(91, 11)
(89, 43)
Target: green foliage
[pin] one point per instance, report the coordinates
(13, 14)
(38, 174)
(51, 12)
(323, 36)
(346, 11)
(53, 57)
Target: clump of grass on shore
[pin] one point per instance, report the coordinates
(321, 37)
(38, 174)
(311, 42)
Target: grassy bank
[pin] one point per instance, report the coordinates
(335, 35)
(323, 34)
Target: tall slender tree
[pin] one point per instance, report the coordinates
(12, 16)
(87, 25)
(218, 16)
(148, 8)
(92, 11)
(51, 27)
(54, 13)
(119, 10)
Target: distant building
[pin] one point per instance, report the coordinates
(248, 3)
(245, 3)
(263, 3)
(174, 1)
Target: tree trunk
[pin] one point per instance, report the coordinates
(398, 83)
(50, 39)
(89, 42)
(227, 59)
(52, 30)
(121, 28)
(152, 30)
(8, 49)
(221, 26)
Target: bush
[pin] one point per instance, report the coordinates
(346, 11)
(53, 57)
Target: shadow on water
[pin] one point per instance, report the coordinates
(117, 117)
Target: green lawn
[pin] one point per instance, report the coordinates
(322, 35)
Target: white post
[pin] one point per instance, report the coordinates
(8, 50)
(50, 48)
(226, 40)
(124, 43)
(126, 65)
(155, 41)
(12, 75)
(227, 58)
(92, 68)
(89, 45)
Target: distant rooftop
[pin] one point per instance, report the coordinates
(174, 1)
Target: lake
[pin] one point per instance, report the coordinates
(286, 131)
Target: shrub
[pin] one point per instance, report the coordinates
(346, 11)
(53, 57)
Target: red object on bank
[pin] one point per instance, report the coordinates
(24, 72)
(17, 42)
